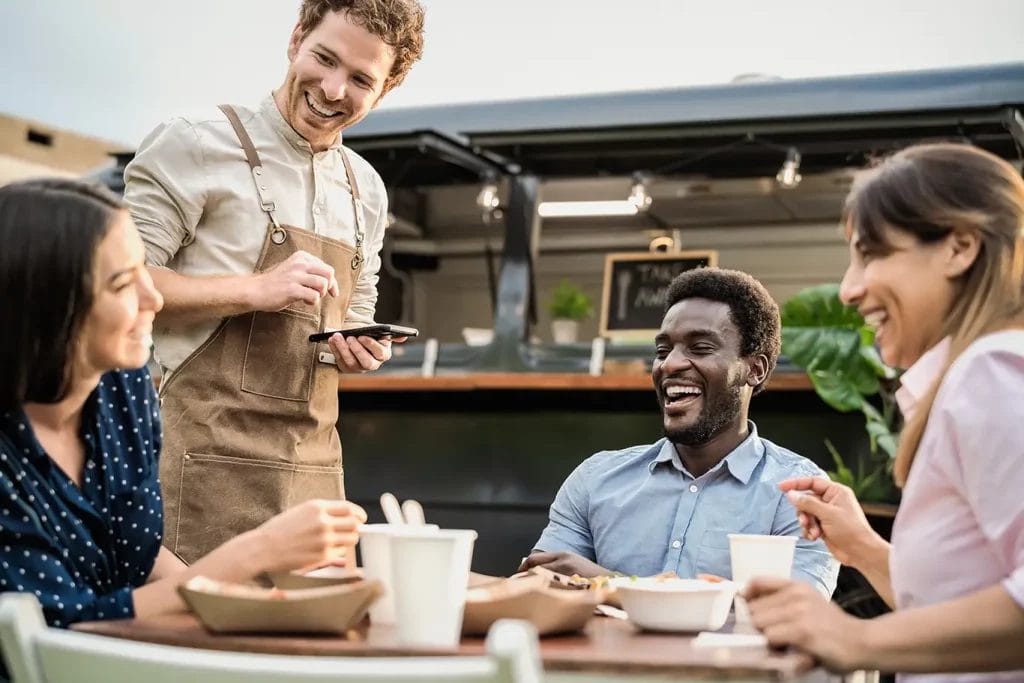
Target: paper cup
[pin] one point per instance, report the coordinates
(758, 555)
(375, 544)
(430, 574)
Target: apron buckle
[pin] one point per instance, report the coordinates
(357, 261)
(278, 236)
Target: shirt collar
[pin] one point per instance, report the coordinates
(919, 377)
(15, 425)
(740, 462)
(268, 108)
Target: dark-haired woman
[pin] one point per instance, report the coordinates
(80, 510)
(936, 238)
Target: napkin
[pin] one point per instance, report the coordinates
(732, 640)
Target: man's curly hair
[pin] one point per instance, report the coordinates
(751, 307)
(399, 23)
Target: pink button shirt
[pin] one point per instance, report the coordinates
(960, 526)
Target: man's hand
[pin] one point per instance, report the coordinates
(360, 354)
(300, 277)
(564, 563)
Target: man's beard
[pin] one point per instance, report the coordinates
(712, 419)
(322, 130)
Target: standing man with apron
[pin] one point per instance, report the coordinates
(261, 229)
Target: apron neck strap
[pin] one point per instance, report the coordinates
(358, 258)
(253, 157)
(267, 203)
(350, 173)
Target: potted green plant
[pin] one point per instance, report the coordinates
(568, 305)
(831, 342)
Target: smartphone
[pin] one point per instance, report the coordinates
(375, 331)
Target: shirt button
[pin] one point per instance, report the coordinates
(676, 544)
(316, 209)
(693, 488)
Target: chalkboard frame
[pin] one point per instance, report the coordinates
(609, 265)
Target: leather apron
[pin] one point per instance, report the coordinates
(250, 416)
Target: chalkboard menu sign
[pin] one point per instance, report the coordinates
(635, 284)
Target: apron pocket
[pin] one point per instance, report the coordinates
(224, 496)
(316, 481)
(279, 358)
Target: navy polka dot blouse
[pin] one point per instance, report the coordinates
(82, 551)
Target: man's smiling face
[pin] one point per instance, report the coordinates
(699, 375)
(337, 74)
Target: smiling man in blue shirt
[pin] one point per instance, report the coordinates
(669, 506)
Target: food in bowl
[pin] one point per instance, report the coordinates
(666, 604)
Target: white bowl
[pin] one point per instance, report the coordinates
(675, 604)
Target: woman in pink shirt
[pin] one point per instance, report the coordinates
(936, 235)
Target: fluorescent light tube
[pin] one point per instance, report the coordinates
(620, 207)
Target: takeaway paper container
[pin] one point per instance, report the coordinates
(239, 608)
(317, 578)
(529, 597)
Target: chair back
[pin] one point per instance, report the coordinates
(36, 653)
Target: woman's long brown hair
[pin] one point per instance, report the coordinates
(930, 191)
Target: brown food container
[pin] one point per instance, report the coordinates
(529, 597)
(236, 608)
(318, 578)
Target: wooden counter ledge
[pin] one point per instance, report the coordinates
(553, 381)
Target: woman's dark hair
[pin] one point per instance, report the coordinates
(751, 307)
(49, 232)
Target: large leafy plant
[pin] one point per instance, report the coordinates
(831, 342)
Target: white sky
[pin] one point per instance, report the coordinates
(115, 68)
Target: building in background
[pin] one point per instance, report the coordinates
(29, 149)
(494, 204)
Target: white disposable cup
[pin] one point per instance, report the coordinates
(375, 547)
(430, 575)
(754, 555)
(760, 555)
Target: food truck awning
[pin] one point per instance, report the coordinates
(716, 131)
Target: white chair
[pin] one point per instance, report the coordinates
(36, 653)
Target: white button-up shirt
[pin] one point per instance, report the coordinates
(192, 196)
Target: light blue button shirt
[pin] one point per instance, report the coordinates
(639, 512)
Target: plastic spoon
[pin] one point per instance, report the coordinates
(392, 511)
(413, 513)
